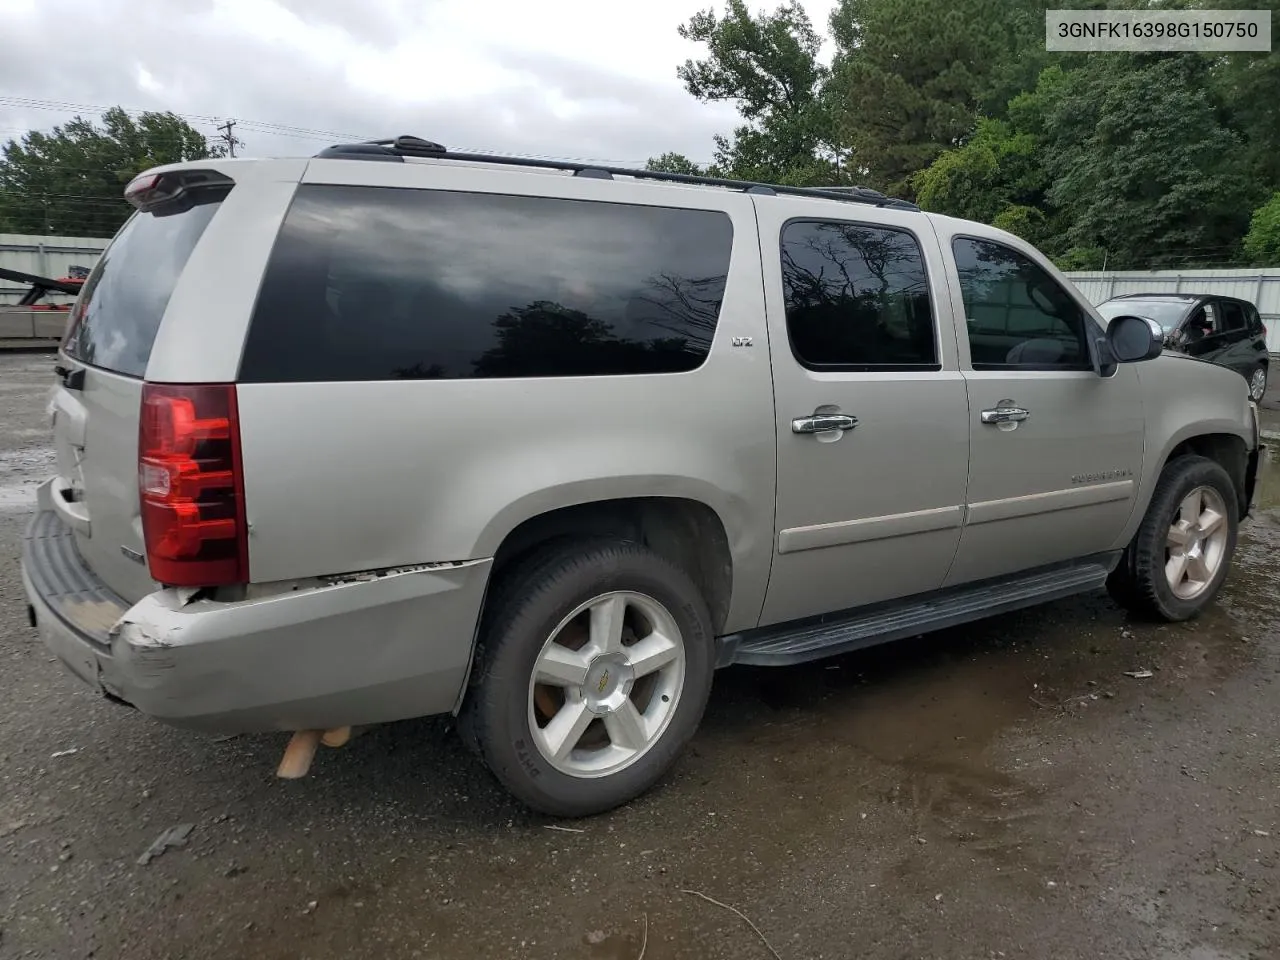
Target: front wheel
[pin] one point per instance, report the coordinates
(594, 670)
(1179, 557)
(1258, 383)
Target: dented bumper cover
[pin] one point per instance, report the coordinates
(369, 648)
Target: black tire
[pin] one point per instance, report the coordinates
(529, 603)
(1139, 583)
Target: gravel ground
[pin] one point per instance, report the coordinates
(999, 790)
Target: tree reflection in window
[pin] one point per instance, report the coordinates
(554, 340)
(856, 296)
(375, 284)
(1016, 314)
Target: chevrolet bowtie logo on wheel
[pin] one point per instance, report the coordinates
(604, 682)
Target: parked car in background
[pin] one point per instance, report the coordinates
(1222, 330)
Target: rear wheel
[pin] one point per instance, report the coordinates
(594, 670)
(1258, 383)
(1180, 555)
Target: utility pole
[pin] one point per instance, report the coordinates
(229, 138)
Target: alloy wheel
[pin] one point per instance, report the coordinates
(1197, 543)
(606, 684)
(1258, 384)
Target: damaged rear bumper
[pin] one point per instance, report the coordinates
(349, 652)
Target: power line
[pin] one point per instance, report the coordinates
(279, 129)
(300, 133)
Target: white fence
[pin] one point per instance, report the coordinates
(47, 257)
(1261, 287)
(18, 325)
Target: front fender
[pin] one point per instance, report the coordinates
(1184, 399)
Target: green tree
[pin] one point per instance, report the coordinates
(1249, 85)
(1029, 223)
(1140, 162)
(1262, 242)
(767, 65)
(70, 181)
(995, 169)
(675, 163)
(911, 77)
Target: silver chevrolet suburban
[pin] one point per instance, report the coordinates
(397, 431)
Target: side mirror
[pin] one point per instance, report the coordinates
(1134, 339)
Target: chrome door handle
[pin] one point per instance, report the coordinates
(1005, 415)
(822, 422)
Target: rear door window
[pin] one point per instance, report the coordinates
(1232, 316)
(857, 297)
(116, 318)
(370, 283)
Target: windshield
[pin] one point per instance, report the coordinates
(1167, 313)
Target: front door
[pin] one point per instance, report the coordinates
(872, 421)
(1202, 334)
(1055, 449)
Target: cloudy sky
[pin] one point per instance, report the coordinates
(569, 78)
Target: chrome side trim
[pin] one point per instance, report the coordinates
(1009, 508)
(796, 539)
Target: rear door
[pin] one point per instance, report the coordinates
(872, 423)
(95, 408)
(1237, 349)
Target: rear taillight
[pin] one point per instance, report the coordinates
(190, 485)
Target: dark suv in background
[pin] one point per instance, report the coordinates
(1222, 330)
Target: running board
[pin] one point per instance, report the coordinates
(797, 642)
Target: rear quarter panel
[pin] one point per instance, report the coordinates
(351, 476)
(208, 315)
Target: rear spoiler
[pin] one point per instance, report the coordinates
(43, 285)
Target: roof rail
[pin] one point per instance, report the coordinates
(396, 149)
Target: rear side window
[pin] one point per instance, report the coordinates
(857, 297)
(118, 313)
(369, 283)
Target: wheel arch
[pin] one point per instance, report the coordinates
(1228, 450)
(1226, 442)
(687, 532)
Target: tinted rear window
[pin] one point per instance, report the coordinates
(1233, 315)
(119, 310)
(857, 297)
(369, 283)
